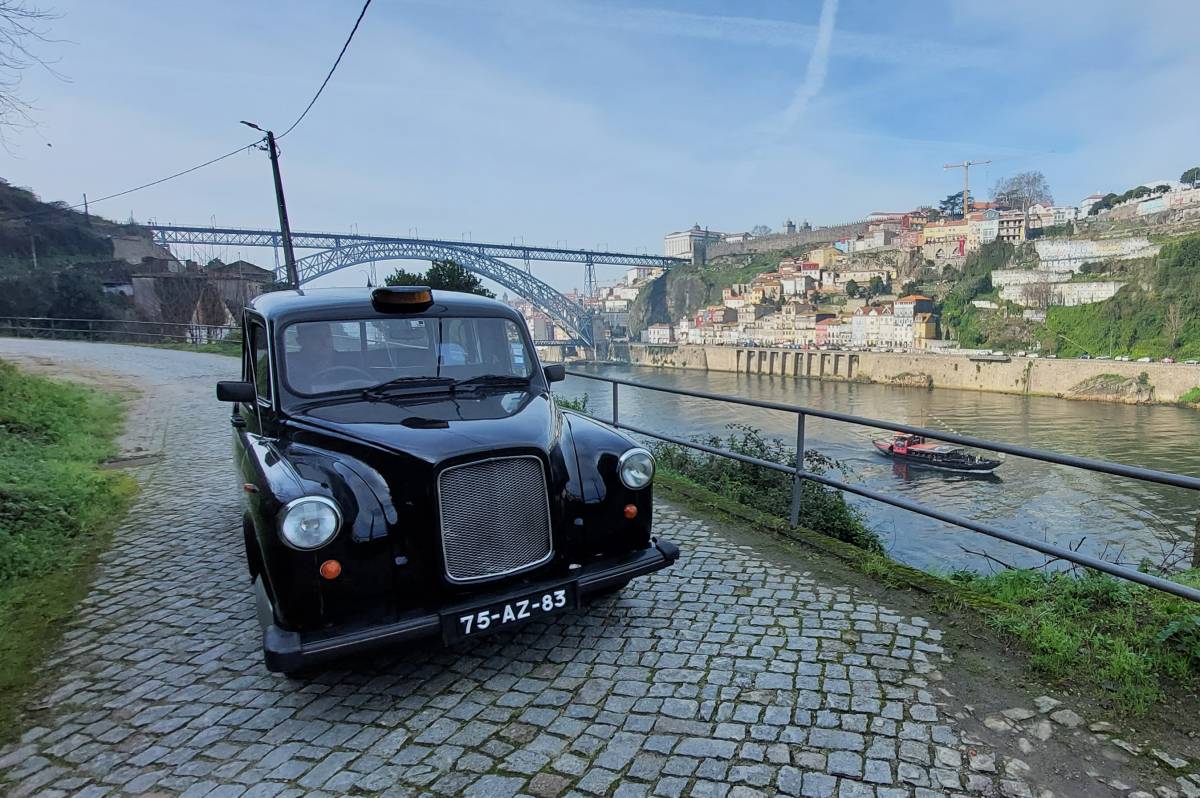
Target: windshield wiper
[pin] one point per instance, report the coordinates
(406, 382)
(499, 380)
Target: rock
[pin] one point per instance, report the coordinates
(1025, 746)
(1102, 726)
(1124, 746)
(1140, 794)
(997, 723)
(984, 763)
(1116, 784)
(1015, 789)
(1166, 792)
(1016, 768)
(1018, 713)
(1042, 730)
(1045, 703)
(1066, 717)
(1173, 762)
(1188, 788)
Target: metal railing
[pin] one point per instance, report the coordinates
(127, 330)
(799, 474)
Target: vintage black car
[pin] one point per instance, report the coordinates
(408, 474)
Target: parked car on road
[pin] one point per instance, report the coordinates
(408, 474)
(1142, 359)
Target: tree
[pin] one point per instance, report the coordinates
(852, 288)
(1022, 191)
(22, 27)
(877, 286)
(908, 288)
(443, 275)
(952, 205)
(1191, 176)
(760, 230)
(1173, 325)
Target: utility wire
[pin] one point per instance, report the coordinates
(332, 69)
(230, 154)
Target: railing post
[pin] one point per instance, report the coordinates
(797, 480)
(615, 386)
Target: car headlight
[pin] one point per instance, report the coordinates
(636, 468)
(309, 522)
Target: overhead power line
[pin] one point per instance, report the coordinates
(229, 154)
(332, 69)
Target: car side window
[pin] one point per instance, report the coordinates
(262, 370)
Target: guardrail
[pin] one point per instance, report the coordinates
(799, 473)
(127, 330)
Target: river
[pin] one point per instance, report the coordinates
(1119, 519)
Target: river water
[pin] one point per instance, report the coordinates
(1119, 519)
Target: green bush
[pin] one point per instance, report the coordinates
(822, 509)
(579, 403)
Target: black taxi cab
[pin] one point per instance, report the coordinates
(408, 474)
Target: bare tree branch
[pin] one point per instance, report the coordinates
(22, 28)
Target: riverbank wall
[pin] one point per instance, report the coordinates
(1096, 380)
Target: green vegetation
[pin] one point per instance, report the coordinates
(688, 287)
(975, 282)
(579, 403)
(1192, 397)
(1128, 641)
(1160, 319)
(57, 510)
(821, 508)
(443, 275)
(230, 346)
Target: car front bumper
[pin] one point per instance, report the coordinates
(287, 651)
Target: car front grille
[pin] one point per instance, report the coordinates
(495, 517)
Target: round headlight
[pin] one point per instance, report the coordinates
(636, 468)
(309, 522)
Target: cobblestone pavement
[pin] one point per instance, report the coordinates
(726, 675)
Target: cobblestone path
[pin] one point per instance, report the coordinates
(723, 676)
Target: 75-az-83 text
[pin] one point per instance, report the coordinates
(513, 611)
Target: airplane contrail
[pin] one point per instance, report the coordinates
(818, 63)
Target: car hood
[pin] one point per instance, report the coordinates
(439, 427)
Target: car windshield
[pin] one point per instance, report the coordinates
(323, 357)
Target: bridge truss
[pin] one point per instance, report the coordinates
(340, 250)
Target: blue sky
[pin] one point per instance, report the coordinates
(603, 123)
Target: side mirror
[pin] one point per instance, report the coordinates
(235, 391)
(555, 372)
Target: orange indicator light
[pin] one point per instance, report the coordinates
(331, 569)
(631, 511)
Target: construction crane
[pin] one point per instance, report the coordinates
(966, 167)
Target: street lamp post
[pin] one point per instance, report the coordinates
(285, 230)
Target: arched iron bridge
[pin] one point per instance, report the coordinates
(339, 251)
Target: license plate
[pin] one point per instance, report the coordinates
(483, 620)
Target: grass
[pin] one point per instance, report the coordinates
(233, 348)
(1131, 643)
(1192, 397)
(57, 512)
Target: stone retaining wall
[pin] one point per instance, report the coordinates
(1165, 382)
